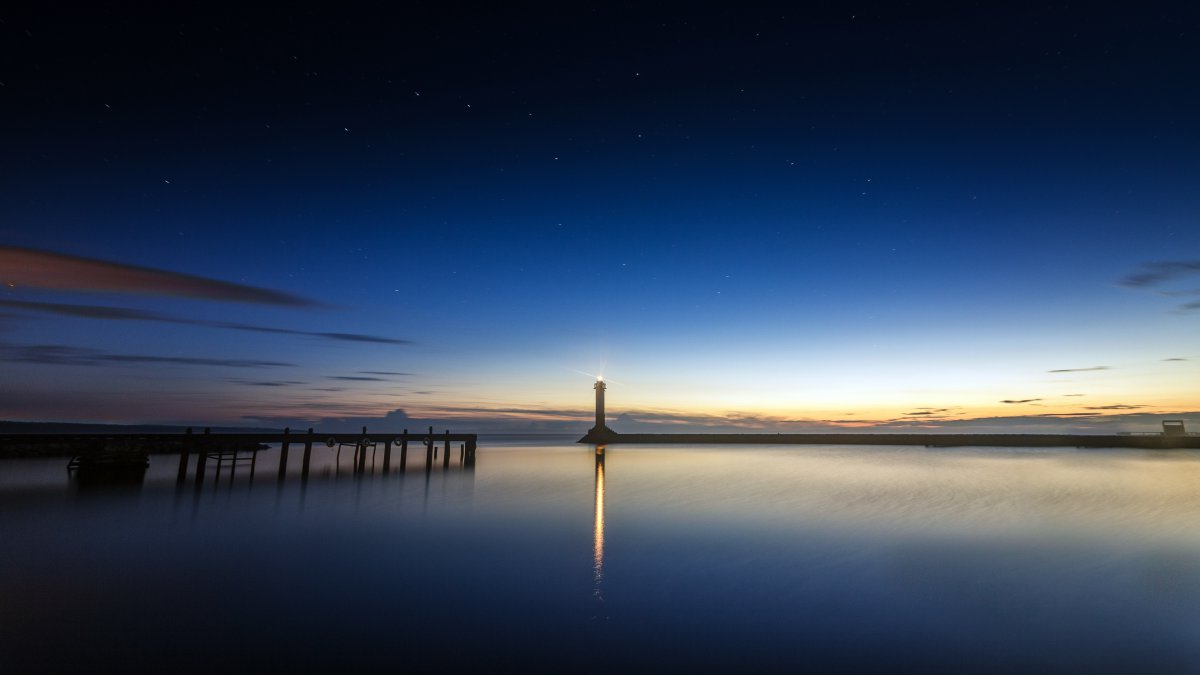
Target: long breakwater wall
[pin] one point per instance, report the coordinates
(1150, 442)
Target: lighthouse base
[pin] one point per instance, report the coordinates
(598, 435)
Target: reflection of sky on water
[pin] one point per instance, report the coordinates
(783, 557)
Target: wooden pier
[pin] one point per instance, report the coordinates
(233, 449)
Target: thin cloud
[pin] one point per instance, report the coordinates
(347, 337)
(1023, 400)
(1175, 359)
(1155, 275)
(1078, 370)
(84, 311)
(1118, 406)
(24, 267)
(938, 413)
(1074, 394)
(357, 378)
(62, 355)
(128, 314)
(384, 372)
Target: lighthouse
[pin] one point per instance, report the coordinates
(600, 387)
(601, 431)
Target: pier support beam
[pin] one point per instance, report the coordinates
(387, 454)
(202, 457)
(446, 452)
(283, 454)
(181, 477)
(307, 454)
(429, 444)
(361, 454)
(404, 451)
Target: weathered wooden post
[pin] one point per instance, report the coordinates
(307, 454)
(283, 454)
(387, 454)
(446, 452)
(470, 460)
(183, 457)
(404, 451)
(462, 453)
(202, 457)
(429, 444)
(361, 455)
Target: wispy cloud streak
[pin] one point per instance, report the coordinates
(62, 355)
(1119, 406)
(1155, 275)
(357, 378)
(1160, 272)
(24, 267)
(129, 314)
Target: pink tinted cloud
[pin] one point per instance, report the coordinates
(24, 267)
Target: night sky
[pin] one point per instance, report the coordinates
(899, 215)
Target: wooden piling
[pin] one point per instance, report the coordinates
(183, 457)
(404, 451)
(429, 450)
(387, 454)
(283, 454)
(307, 454)
(446, 452)
(361, 455)
(202, 457)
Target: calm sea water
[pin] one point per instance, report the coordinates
(657, 557)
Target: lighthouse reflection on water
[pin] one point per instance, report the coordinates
(598, 527)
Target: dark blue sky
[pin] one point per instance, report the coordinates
(790, 213)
